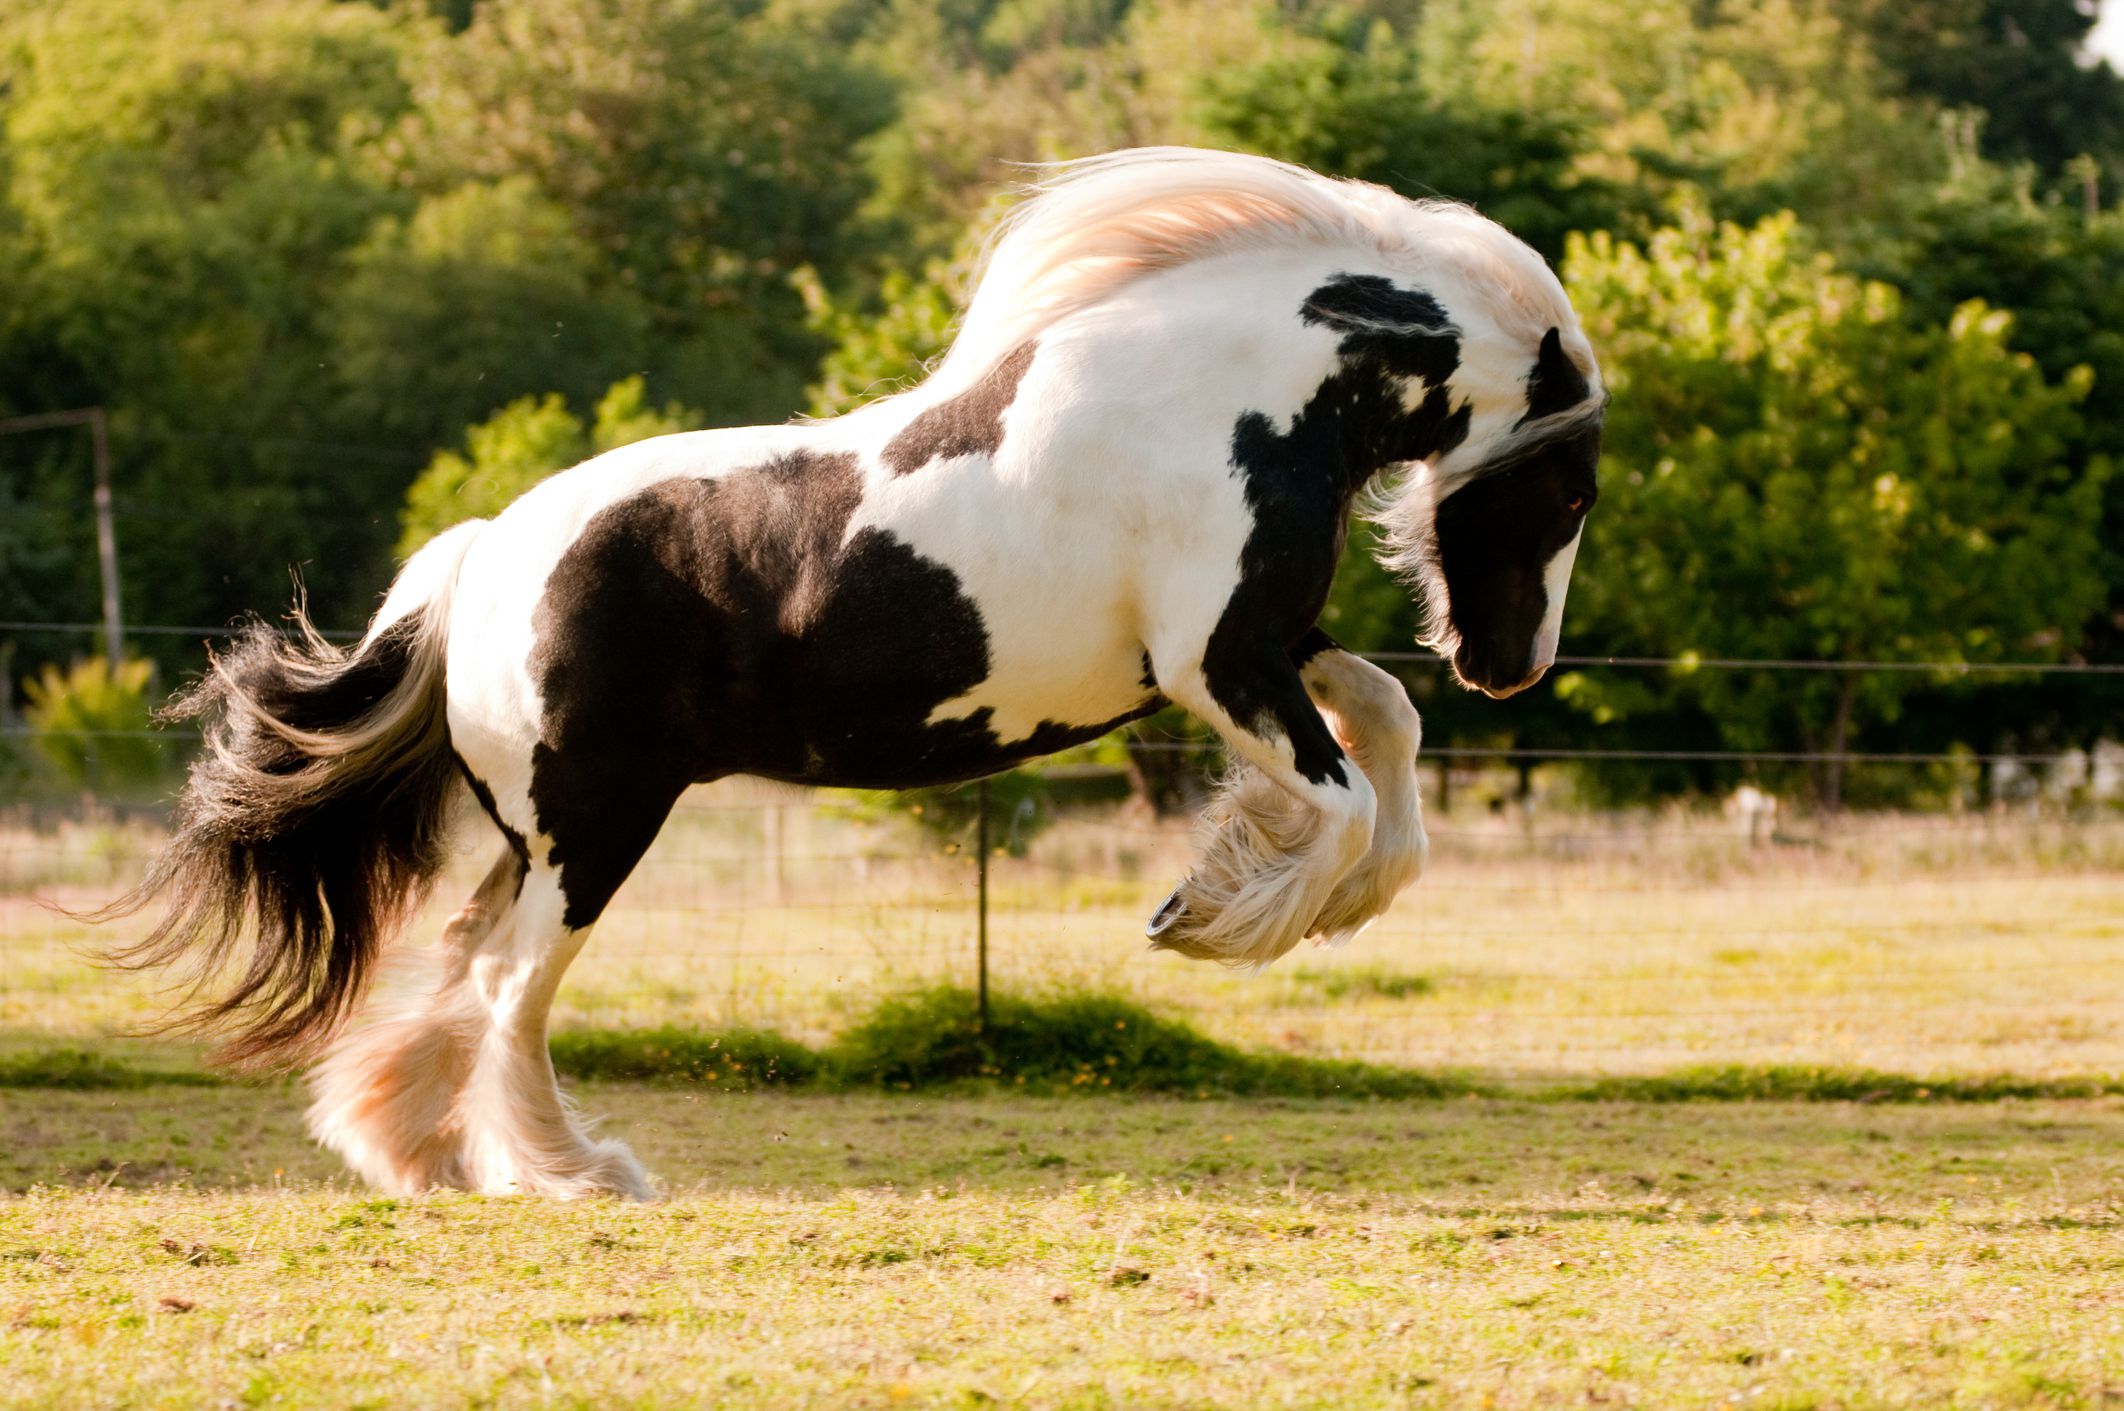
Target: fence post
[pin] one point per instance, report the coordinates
(981, 903)
(106, 532)
(106, 540)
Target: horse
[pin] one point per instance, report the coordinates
(1126, 484)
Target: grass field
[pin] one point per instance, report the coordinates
(875, 1251)
(185, 1246)
(1963, 946)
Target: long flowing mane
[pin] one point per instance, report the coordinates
(1086, 228)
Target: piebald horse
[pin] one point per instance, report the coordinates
(1126, 484)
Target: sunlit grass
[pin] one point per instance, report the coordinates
(1922, 1243)
(877, 1252)
(1590, 947)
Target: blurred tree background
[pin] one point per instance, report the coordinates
(344, 273)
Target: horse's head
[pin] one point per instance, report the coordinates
(1489, 530)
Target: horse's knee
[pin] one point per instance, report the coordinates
(1370, 709)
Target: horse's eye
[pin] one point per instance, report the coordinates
(1578, 503)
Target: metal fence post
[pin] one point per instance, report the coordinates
(981, 903)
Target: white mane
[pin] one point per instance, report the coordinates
(1089, 227)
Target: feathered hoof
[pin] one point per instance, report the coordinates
(1168, 915)
(1246, 927)
(597, 1169)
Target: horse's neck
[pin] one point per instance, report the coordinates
(1178, 354)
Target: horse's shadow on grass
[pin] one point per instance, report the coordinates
(1538, 1161)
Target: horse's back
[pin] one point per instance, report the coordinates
(725, 605)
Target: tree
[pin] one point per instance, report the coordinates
(183, 186)
(2017, 61)
(1746, 107)
(486, 294)
(705, 154)
(522, 444)
(1796, 468)
(1353, 102)
(881, 345)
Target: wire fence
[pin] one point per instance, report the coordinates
(1686, 662)
(1541, 942)
(1548, 939)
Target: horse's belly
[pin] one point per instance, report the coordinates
(860, 732)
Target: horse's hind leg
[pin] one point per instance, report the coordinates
(386, 1096)
(519, 1133)
(448, 1081)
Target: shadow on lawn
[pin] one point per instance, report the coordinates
(930, 1040)
(1520, 1160)
(916, 1096)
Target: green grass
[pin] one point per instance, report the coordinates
(1094, 1045)
(1594, 949)
(1090, 1042)
(744, 1058)
(84, 1069)
(877, 1250)
(1631, 1122)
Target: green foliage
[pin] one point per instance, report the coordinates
(1088, 1042)
(520, 445)
(502, 296)
(2017, 62)
(92, 724)
(880, 346)
(1869, 487)
(86, 1070)
(1360, 108)
(1749, 107)
(298, 246)
(183, 183)
(704, 153)
(732, 1061)
(299, 249)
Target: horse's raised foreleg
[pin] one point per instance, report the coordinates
(1294, 819)
(447, 1081)
(1369, 713)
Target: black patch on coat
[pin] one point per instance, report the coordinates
(1496, 534)
(1299, 486)
(1314, 643)
(485, 795)
(706, 627)
(1403, 331)
(969, 424)
(1555, 385)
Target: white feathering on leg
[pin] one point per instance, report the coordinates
(1371, 716)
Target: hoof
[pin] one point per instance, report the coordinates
(1167, 915)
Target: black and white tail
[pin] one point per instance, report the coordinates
(312, 822)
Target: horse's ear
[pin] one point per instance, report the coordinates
(1555, 385)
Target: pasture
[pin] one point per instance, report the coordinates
(971, 1244)
(972, 1251)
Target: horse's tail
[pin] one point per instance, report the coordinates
(316, 817)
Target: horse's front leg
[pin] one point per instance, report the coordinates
(1280, 834)
(1369, 713)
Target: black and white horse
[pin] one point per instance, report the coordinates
(1126, 484)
